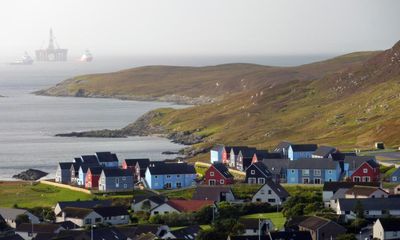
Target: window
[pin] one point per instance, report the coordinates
(329, 171)
(306, 172)
(317, 172)
(261, 180)
(123, 217)
(317, 181)
(365, 170)
(168, 185)
(222, 181)
(125, 185)
(366, 212)
(155, 177)
(258, 200)
(262, 191)
(168, 176)
(88, 221)
(123, 178)
(178, 184)
(271, 200)
(356, 179)
(252, 180)
(292, 171)
(366, 179)
(212, 174)
(155, 212)
(211, 182)
(178, 176)
(97, 220)
(269, 192)
(306, 181)
(253, 172)
(394, 179)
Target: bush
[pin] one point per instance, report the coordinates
(173, 219)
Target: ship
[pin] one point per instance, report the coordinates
(86, 57)
(24, 60)
(53, 53)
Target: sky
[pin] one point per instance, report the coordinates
(200, 28)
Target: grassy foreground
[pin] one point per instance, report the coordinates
(26, 195)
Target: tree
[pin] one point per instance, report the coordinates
(22, 218)
(146, 205)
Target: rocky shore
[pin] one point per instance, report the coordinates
(30, 175)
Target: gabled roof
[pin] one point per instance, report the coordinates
(65, 165)
(324, 151)
(370, 204)
(290, 235)
(85, 204)
(189, 232)
(111, 211)
(262, 169)
(143, 162)
(159, 199)
(74, 212)
(38, 228)
(362, 190)
(11, 213)
(96, 170)
(223, 170)
(334, 186)
(106, 157)
(277, 188)
(116, 172)
(356, 161)
(275, 166)
(390, 224)
(217, 147)
(205, 192)
(314, 223)
(237, 149)
(282, 145)
(86, 166)
(313, 163)
(304, 147)
(89, 159)
(340, 193)
(248, 152)
(189, 205)
(162, 168)
(77, 160)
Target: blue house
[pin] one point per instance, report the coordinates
(313, 171)
(297, 151)
(395, 176)
(162, 175)
(107, 159)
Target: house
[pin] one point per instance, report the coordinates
(277, 168)
(215, 193)
(373, 207)
(366, 192)
(10, 215)
(324, 152)
(386, 228)
(63, 172)
(297, 151)
(92, 177)
(107, 159)
(313, 171)
(77, 162)
(29, 231)
(83, 168)
(290, 235)
(189, 232)
(257, 173)
(321, 228)
(330, 188)
(115, 215)
(138, 166)
(161, 175)
(361, 169)
(253, 226)
(234, 154)
(220, 153)
(339, 194)
(283, 149)
(218, 174)
(79, 216)
(244, 158)
(147, 202)
(60, 206)
(181, 206)
(395, 176)
(272, 193)
(115, 179)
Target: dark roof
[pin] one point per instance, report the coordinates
(189, 232)
(281, 146)
(205, 192)
(356, 161)
(96, 170)
(340, 156)
(78, 160)
(289, 235)
(116, 172)
(312, 163)
(111, 211)
(223, 170)
(12, 237)
(147, 228)
(89, 159)
(159, 199)
(252, 237)
(277, 188)
(304, 147)
(38, 228)
(248, 152)
(390, 224)
(111, 233)
(261, 154)
(334, 186)
(275, 166)
(162, 168)
(106, 157)
(67, 225)
(324, 151)
(262, 168)
(85, 204)
(314, 223)
(65, 165)
(370, 204)
(143, 162)
(74, 212)
(45, 236)
(237, 149)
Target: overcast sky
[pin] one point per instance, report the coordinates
(203, 27)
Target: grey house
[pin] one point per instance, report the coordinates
(63, 173)
(114, 180)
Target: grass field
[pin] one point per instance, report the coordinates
(27, 196)
(277, 218)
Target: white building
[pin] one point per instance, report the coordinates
(386, 228)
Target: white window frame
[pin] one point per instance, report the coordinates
(317, 172)
(261, 180)
(303, 172)
(320, 180)
(308, 180)
(252, 172)
(178, 184)
(252, 180)
(221, 181)
(394, 179)
(212, 174)
(356, 177)
(366, 179)
(365, 170)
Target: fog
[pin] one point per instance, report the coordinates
(199, 28)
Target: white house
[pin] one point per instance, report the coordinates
(11, 214)
(386, 228)
(366, 192)
(272, 193)
(79, 216)
(147, 202)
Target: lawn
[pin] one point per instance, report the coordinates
(186, 193)
(39, 195)
(277, 218)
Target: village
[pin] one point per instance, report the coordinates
(293, 191)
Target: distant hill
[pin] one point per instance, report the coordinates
(350, 101)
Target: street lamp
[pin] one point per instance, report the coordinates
(360, 234)
(91, 231)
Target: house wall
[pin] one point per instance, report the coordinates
(158, 181)
(232, 159)
(395, 177)
(117, 220)
(217, 177)
(254, 174)
(215, 156)
(93, 217)
(297, 176)
(297, 155)
(63, 175)
(81, 178)
(265, 194)
(12, 223)
(372, 173)
(111, 184)
(163, 209)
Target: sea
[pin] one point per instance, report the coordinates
(28, 123)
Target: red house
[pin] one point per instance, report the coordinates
(218, 174)
(138, 166)
(226, 151)
(92, 177)
(366, 172)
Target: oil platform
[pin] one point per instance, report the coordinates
(52, 53)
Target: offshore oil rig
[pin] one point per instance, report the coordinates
(52, 53)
